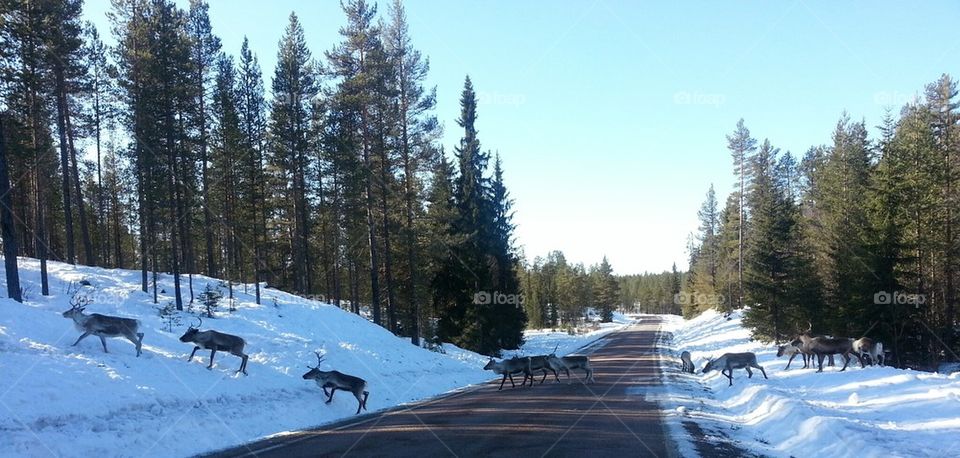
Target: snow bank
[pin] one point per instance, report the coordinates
(60, 400)
(876, 411)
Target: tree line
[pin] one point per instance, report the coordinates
(559, 293)
(857, 237)
(327, 180)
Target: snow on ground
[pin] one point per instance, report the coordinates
(59, 400)
(544, 341)
(862, 412)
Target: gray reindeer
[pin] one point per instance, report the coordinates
(102, 326)
(213, 341)
(336, 380)
(730, 361)
(508, 367)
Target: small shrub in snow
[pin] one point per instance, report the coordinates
(210, 298)
(169, 316)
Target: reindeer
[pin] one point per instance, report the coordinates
(866, 346)
(508, 367)
(687, 365)
(542, 363)
(213, 341)
(338, 381)
(102, 326)
(730, 361)
(793, 351)
(827, 346)
(566, 363)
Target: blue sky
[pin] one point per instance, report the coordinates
(611, 116)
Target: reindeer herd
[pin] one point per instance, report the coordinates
(807, 345)
(104, 326)
(529, 365)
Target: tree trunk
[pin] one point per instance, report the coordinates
(64, 164)
(89, 255)
(7, 226)
(387, 254)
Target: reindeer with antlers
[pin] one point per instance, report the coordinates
(102, 326)
(213, 341)
(336, 380)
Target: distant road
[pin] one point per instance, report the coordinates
(607, 418)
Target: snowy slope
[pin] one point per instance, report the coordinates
(876, 411)
(58, 400)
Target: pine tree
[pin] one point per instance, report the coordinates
(294, 88)
(252, 107)
(205, 48)
(417, 128)
(741, 146)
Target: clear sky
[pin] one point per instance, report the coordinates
(611, 115)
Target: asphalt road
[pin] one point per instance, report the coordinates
(606, 418)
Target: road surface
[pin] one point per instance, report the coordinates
(606, 418)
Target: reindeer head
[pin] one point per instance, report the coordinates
(490, 365)
(73, 313)
(78, 303)
(709, 366)
(315, 371)
(191, 331)
(789, 348)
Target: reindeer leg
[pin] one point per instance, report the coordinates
(103, 341)
(134, 341)
(243, 365)
(846, 361)
(333, 389)
(790, 360)
(82, 336)
(730, 377)
(820, 362)
(761, 370)
(749, 372)
(359, 402)
(504, 381)
(195, 348)
(212, 352)
(544, 376)
(366, 394)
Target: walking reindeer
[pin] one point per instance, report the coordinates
(213, 341)
(102, 326)
(336, 380)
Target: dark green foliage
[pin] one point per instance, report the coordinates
(210, 298)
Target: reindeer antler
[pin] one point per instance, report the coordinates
(319, 357)
(80, 301)
(199, 323)
(554, 352)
